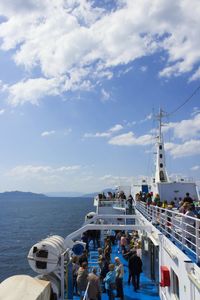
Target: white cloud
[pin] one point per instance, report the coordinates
(48, 133)
(147, 118)
(188, 128)
(30, 170)
(111, 180)
(2, 111)
(75, 39)
(105, 95)
(195, 168)
(185, 129)
(189, 148)
(129, 139)
(3, 87)
(107, 133)
(196, 110)
(32, 90)
(144, 68)
(96, 135)
(195, 76)
(115, 128)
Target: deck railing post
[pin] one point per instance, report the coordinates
(173, 227)
(197, 234)
(183, 233)
(62, 277)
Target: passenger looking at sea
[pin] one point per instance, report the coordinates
(94, 289)
(110, 282)
(135, 269)
(119, 270)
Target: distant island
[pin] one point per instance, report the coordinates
(30, 195)
(20, 195)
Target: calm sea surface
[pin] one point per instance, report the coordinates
(23, 222)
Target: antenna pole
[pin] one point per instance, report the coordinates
(159, 118)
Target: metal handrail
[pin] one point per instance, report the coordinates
(180, 228)
(86, 292)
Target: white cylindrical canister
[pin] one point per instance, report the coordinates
(44, 256)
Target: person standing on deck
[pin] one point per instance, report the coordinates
(110, 282)
(83, 258)
(135, 269)
(94, 290)
(82, 279)
(130, 204)
(187, 198)
(119, 270)
(123, 243)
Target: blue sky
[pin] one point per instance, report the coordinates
(79, 83)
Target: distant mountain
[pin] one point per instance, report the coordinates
(105, 191)
(20, 195)
(64, 194)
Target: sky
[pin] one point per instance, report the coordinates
(81, 83)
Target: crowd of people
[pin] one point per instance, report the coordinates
(185, 206)
(109, 275)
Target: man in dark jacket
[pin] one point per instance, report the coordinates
(135, 268)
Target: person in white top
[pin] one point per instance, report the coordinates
(119, 270)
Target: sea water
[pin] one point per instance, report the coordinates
(24, 222)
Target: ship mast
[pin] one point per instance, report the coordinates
(161, 173)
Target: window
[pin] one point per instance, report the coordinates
(161, 165)
(160, 155)
(175, 285)
(160, 147)
(162, 177)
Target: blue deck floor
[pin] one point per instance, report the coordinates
(148, 290)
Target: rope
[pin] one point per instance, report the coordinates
(187, 100)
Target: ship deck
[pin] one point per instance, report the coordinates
(148, 289)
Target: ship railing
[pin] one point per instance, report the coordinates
(112, 202)
(181, 229)
(181, 179)
(85, 297)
